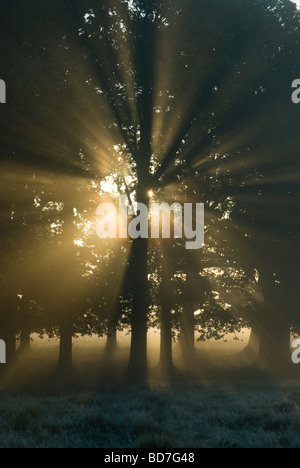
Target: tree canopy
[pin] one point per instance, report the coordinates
(190, 100)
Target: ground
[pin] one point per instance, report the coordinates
(205, 414)
(224, 405)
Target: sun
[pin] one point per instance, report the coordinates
(109, 185)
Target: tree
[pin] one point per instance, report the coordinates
(163, 94)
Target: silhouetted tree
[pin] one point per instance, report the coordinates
(161, 94)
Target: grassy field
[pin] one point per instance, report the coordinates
(216, 415)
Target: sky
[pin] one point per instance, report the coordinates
(297, 2)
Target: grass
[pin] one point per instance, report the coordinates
(205, 415)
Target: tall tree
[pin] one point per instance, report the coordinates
(163, 93)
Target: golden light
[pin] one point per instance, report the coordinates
(150, 194)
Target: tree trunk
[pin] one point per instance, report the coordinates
(111, 344)
(253, 344)
(115, 313)
(274, 351)
(250, 352)
(25, 342)
(188, 339)
(166, 366)
(65, 362)
(194, 296)
(137, 368)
